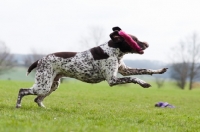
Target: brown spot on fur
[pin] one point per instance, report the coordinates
(65, 54)
(98, 53)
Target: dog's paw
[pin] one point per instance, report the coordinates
(163, 70)
(18, 106)
(145, 85)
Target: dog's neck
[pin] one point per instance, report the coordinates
(114, 52)
(123, 47)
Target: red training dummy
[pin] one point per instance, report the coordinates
(130, 41)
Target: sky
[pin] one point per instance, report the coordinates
(59, 25)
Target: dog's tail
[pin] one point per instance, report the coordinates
(34, 65)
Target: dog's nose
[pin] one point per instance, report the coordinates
(147, 45)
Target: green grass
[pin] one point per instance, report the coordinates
(82, 107)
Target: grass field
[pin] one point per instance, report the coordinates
(81, 107)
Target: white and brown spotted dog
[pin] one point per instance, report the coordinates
(91, 66)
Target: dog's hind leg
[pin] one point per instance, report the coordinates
(54, 86)
(40, 98)
(35, 90)
(22, 93)
(41, 87)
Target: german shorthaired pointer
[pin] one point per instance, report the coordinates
(92, 66)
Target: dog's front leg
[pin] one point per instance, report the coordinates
(123, 80)
(110, 73)
(127, 71)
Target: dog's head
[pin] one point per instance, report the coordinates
(127, 43)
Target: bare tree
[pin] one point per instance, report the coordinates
(186, 64)
(6, 59)
(180, 73)
(94, 37)
(180, 66)
(194, 58)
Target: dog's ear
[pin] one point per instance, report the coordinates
(116, 38)
(116, 28)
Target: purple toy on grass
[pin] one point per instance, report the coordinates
(164, 105)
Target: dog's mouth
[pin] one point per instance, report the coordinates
(142, 45)
(133, 44)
